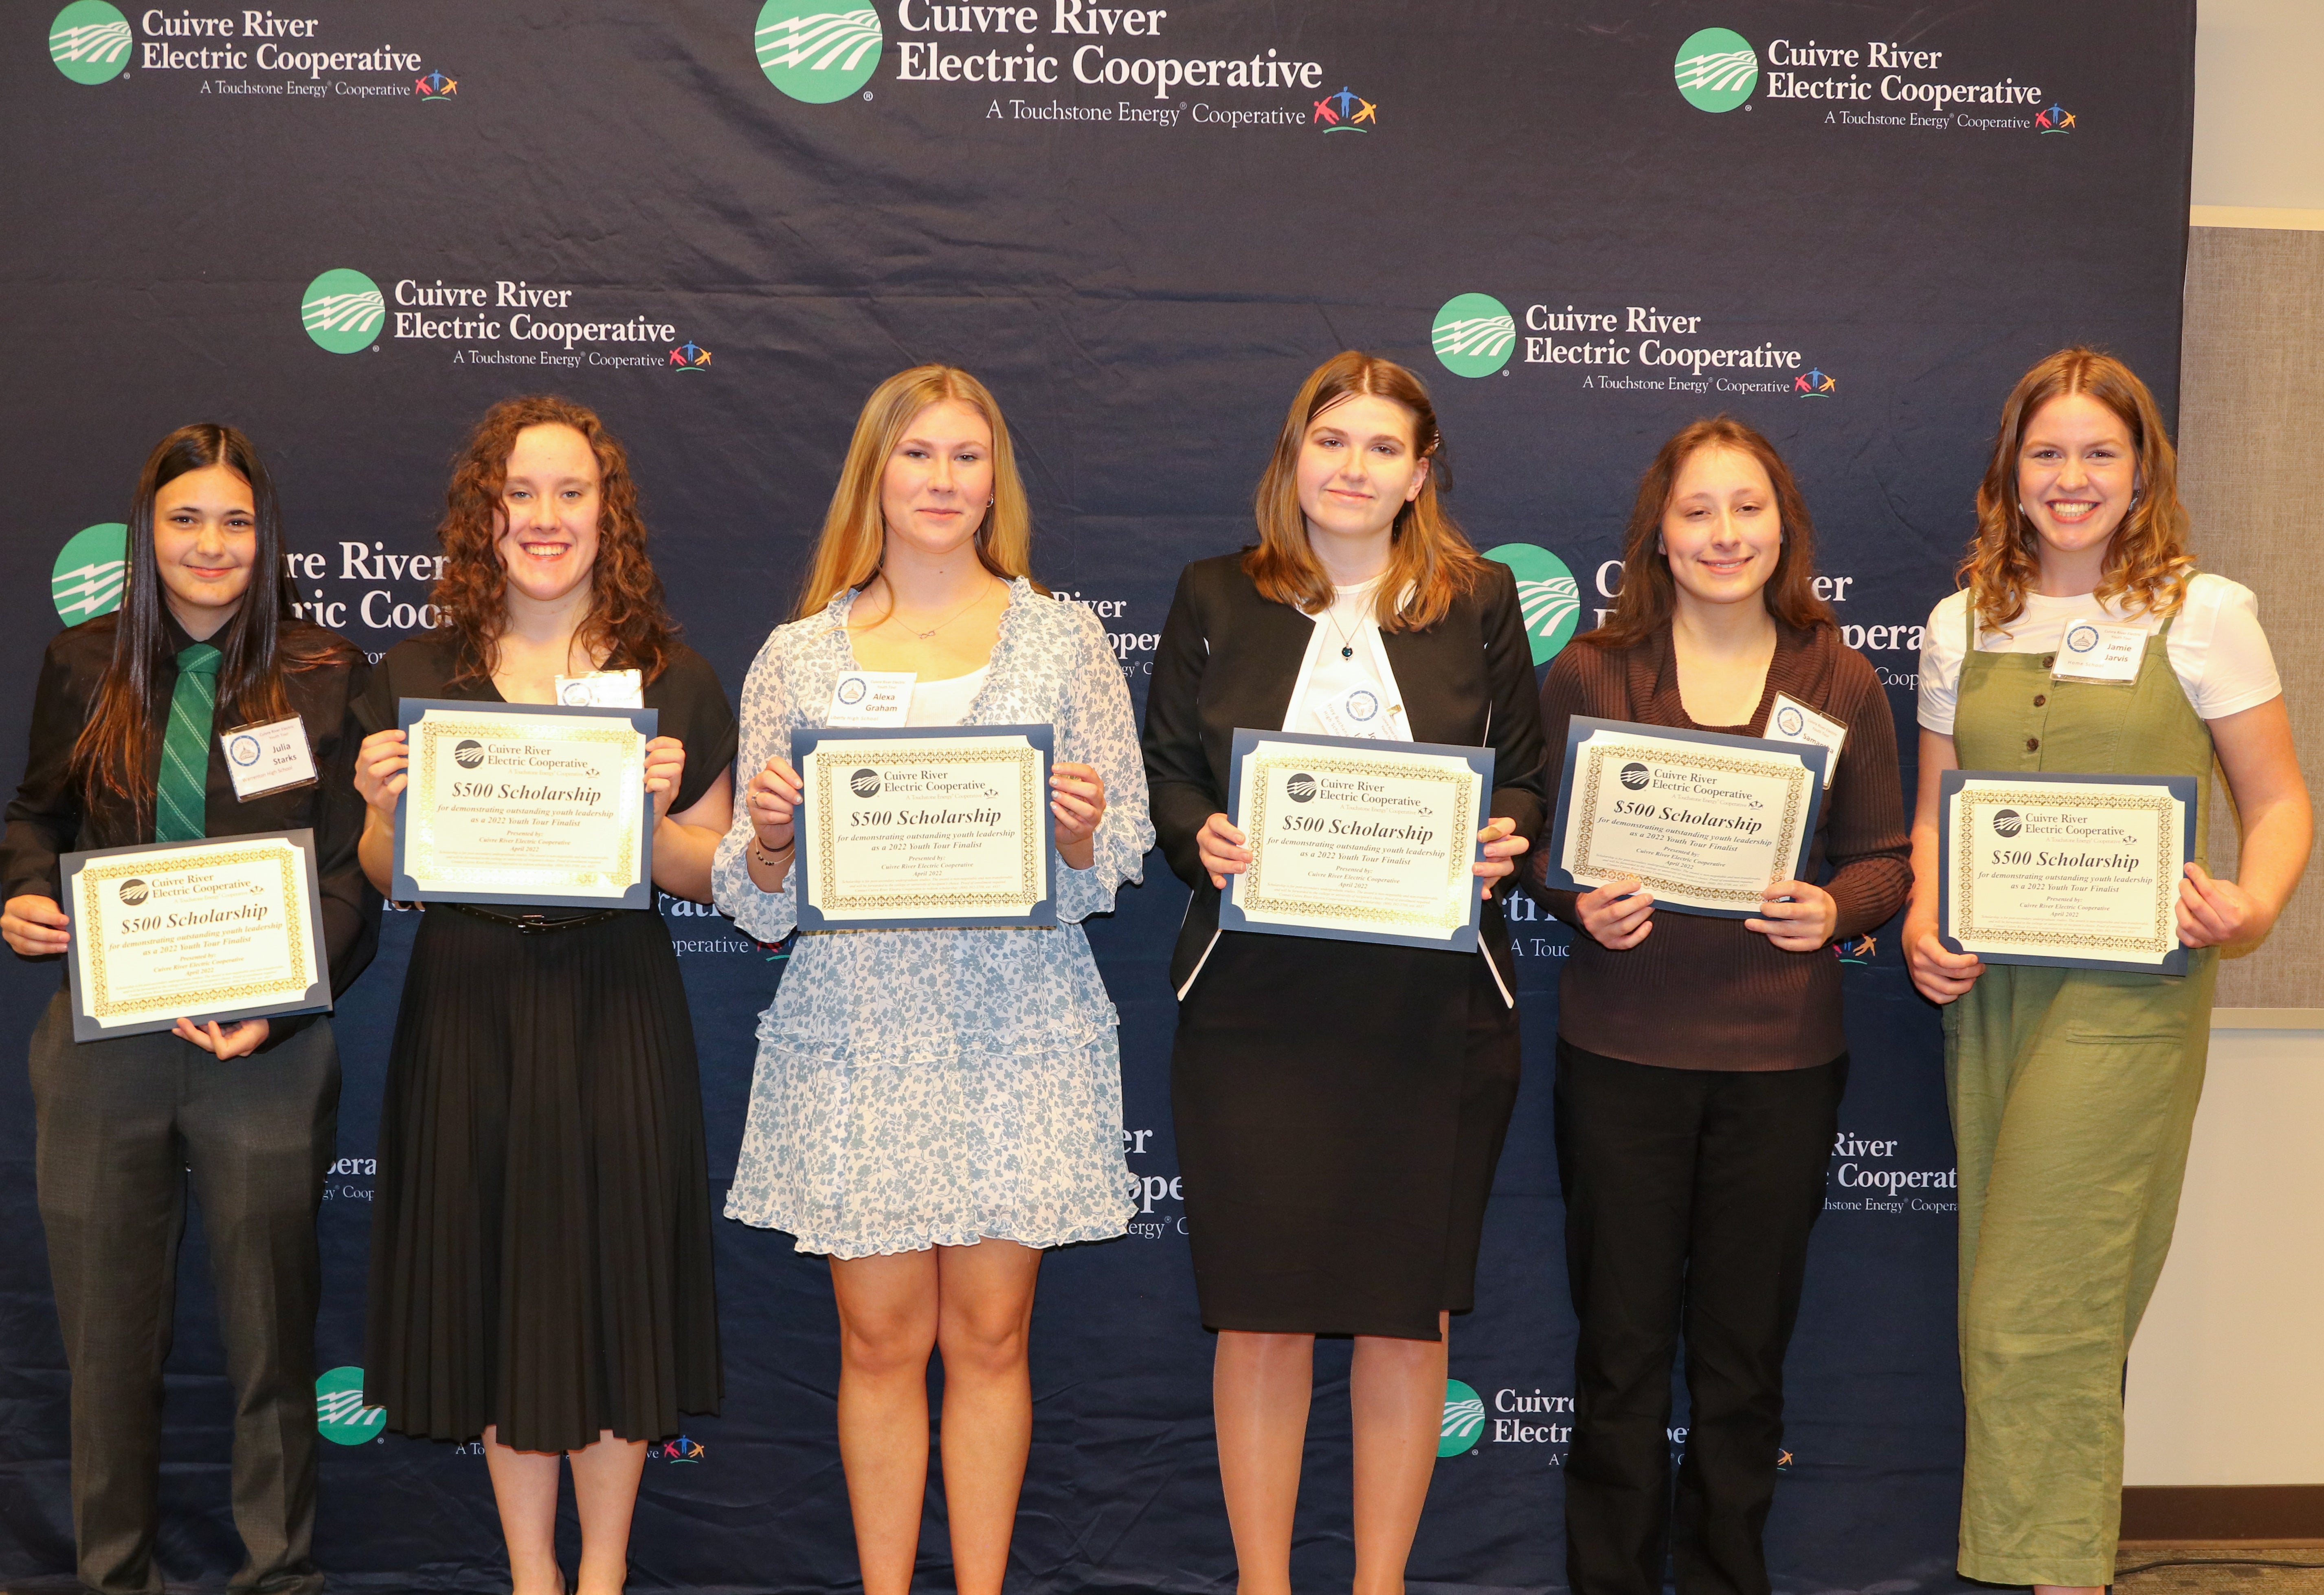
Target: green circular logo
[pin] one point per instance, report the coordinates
(1464, 1420)
(1547, 596)
(1474, 334)
(340, 1414)
(816, 50)
(343, 310)
(1717, 68)
(86, 580)
(89, 42)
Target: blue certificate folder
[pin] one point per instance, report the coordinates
(1479, 760)
(1949, 785)
(806, 739)
(315, 999)
(641, 894)
(1579, 729)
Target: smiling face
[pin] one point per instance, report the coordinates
(1358, 467)
(205, 541)
(546, 525)
(2077, 473)
(1721, 530)
(938, 482)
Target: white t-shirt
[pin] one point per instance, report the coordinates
(942, 703)
(2216, 648)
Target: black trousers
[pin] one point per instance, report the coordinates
(120, 1124)
(1689, 1196)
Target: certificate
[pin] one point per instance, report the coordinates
(2081, 871)
(922, 826)
(1703, 821)
(1358, 839)
(230, 929)
(532, 802)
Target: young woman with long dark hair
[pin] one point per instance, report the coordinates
(126, 748)
(1340, 1105)
(1701, 1060)
(2073, 1092)
(540, 1244)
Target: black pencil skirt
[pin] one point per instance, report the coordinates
(1340, 1109)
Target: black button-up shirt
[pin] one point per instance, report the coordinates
(52, 815)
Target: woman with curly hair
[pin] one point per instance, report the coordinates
(2073, 1092)
(540, 1246)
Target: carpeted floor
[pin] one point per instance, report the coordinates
(2219, 1570)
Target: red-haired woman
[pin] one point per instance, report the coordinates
(1340, 1106)
(126, 747)
(540, 1247)
(1701, 1060)
(2073, 1090)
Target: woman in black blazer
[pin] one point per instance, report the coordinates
(1340, 1106)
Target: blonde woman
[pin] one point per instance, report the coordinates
(2073, 1092)
(933, 1108)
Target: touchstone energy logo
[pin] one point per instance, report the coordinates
(436, 88)
(89, 42)
(343, 309)
(1547, 596)
(340, 1415)
(690, 358)
(1346, 112)
(1815, 384)
(1474, 335)
(817, 52)
(1716, 70)
(85, 582)
(2056, 119)
(1464, 1420)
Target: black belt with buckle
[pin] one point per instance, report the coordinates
(537, 924)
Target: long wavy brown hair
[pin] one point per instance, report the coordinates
(854, 532)
(1649, 593)
(628, 625)
(1431, 561)
(259, 642)
(2147, 564)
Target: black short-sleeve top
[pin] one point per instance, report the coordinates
(692, 705)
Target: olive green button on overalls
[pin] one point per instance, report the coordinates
(2073, 1093)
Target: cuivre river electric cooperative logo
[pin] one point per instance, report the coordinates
(343, 309)
(1547, 596)
(817, 52)
(1716, 69)
(1464, 1420)
(89, 42)
(1474, 335)
(86, 580)
(340, 1415)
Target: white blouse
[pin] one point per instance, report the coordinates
(1352, 696)
(2216, 648)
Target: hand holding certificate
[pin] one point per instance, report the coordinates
(223, 929)
(2081, 871)
(1703, 821)
(533, 803)
(1358, 839)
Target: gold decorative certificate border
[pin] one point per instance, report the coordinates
(2155, 944)
(97, 996)
(1796, 779)
(614, 878)
(1450, 915)
(1030, 841)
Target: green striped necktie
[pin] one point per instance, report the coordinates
(182, 793)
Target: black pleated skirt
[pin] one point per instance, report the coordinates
(1340, 1109)
(540, 1238)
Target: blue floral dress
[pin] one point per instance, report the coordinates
(934, 1088)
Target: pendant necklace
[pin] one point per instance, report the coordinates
(939, 625)
(1346, 642)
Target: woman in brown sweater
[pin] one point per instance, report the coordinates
(1700, 1061)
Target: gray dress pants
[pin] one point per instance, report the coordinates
(122, 1123)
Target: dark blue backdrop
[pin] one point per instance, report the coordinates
(1891, 209)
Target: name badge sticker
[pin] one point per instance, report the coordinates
(1359, 711)
(1790, 721)
(262, 759)
(862, 697)
(603, 689)
(2090, 652)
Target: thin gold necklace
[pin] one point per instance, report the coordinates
(939, 625)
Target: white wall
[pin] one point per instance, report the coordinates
(2259, 122)
(2226, 1382)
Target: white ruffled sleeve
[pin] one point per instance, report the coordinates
(1094, 728)
(770, 916)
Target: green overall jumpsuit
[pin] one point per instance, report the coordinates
(2073, 1094)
